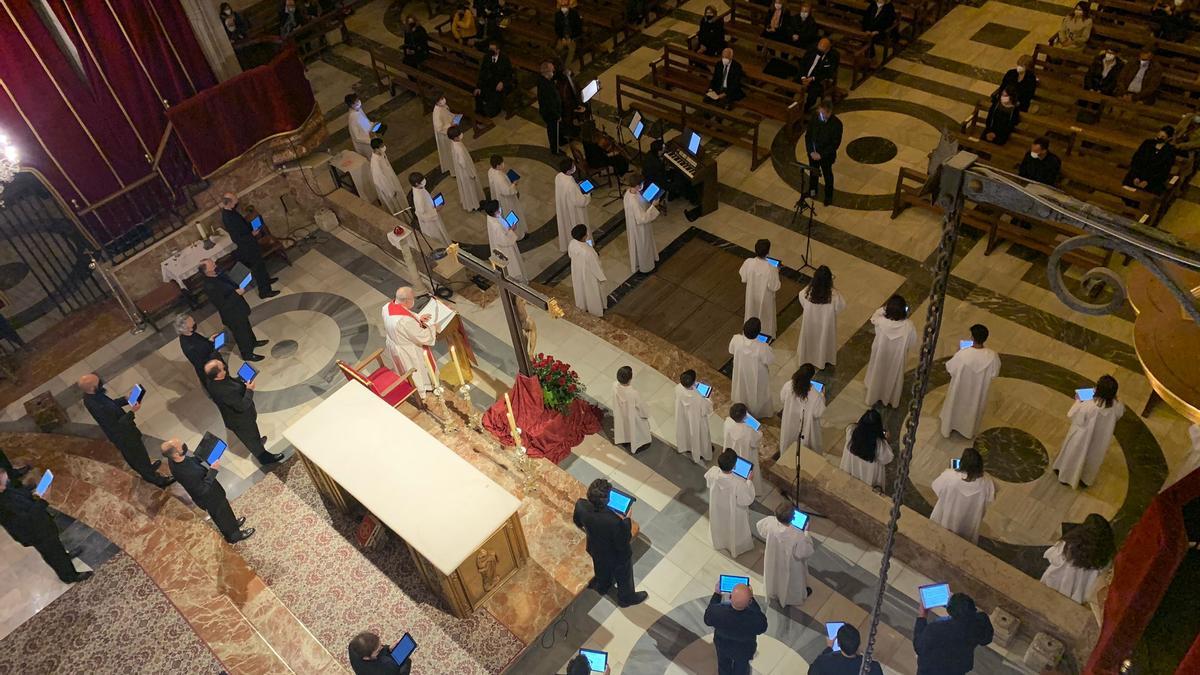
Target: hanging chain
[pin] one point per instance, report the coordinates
(933, 327)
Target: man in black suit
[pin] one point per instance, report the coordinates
(609, 543)
(805, 31)
(1102, 75)
(370, 656)
(818, 71)
(225, 295)
(1040, 164)
(947, 646)
(737, 625)
(235, 400)
(495, 81)
(197, 349)
(550, 105)
(27, 520)
(199, 480)
(247, 251)
(879, 20)
(1150, 167)
(821, 141)
(120, 429)
(568, 28)
(416, 42)
(726, 84)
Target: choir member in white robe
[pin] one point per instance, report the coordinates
(818, 325)
(744, 440)
(803, 406)
(1190, 463)
(638, 216)
(409, 340)
(963, 496)
(751, 376)
(505, 192)
(867, 450)
(691, 419)
(762, 280)
(1080, 557)
(894, 337)
(429, 217)
(971, 373)
(570, 204)
(1092, 425)
(469, 192)
(359, 126)
(501, 238)
(729, 500)
(387, 185)
(443, 119)
(785, 563)
(587, 275)
(631, 422)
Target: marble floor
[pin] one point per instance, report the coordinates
(329, 309)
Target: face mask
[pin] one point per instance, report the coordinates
(1109, 58)
(1195, 119)
(421, 185)
(725, 61)
(1078, 15)
(227, 12)
(821, 116)
(1145, 62)
(1020, 69)
(1033, 154)
(382, 149)
(710, 17)
(778, 6)
(803, 15)
(357, 105)
(185, 448)
(1005, 100)
(563, 9)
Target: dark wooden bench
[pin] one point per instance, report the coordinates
(393, 73)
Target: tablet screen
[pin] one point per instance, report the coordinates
(764, 338)
(44, 483)
(403, 649)
(136, 394)
(772, 261)
(800, 520)
(458, 119)
(218, 340)
(586, 186)
(742, 468)
(1085, 394)
(751, 422)
(247, 373)
(375, 127)
(704, 389)
(934, 595)
(728, 581)
(438, 199)
(637, 130)
(650, 192)
(956, 464)
(216, 452)
(256, 224)
(635, 124)
(831, 631)
(966, 344)
(694, 143)
(246, 281)
(590, 243)
(589, 90)
(619, 501)
(597, 660)
(818, 386)
(513, 176)
(511, 219)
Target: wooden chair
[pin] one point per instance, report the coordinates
(393, 388)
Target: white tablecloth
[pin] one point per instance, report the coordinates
(185, 263)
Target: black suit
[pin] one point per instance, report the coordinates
(247, 251)
(947, 646)
(416, 45)
(198, 350)
(879, 19)
(1001, 121)
(822, 68)
(735, 634)
(807, 30)
(1096, 80)
(234, 310)
(731, 86)
(27, 519)
(784, 32)
(568, 25)
(383, 664)
(550, 107)
(712, 36)
(236, 404)
(1046, 169)
(609, 543)
(120, 429)
(490, 102)
(7, 467)
(1025, 87)
(200, 482)
(823, 137)
(1151, 164)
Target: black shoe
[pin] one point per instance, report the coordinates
(81, 576)
(270, 458)
(241, 521)
(242, 535)
(164, 481)
(268, 294)
(807, 591)
(638, 598)
(692, 214)
(260, 343)
(262, 439)
(828, 201)
(253, 357)
(155, 464)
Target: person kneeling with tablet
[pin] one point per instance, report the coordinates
(841, 657)
(199, 479)
(370, 656)
(609, 541)
(947, 646)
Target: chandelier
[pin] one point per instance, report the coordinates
(9, 161)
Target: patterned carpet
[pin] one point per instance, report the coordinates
(305, 552)
(118, 622)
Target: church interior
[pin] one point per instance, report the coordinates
(418, 478)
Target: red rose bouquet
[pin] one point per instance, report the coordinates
(560, 384)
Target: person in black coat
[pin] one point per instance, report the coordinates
(370, 656)
(879, 20)
(1022, 80)
(247, 251)
(1040, 164)
(818, 71)
(14, 473)
(778, 28)
(27, 519)
(1002, 118)
(225, 295)
(805, 31)
(236, 26)
(845, 661)
(199, 480)
(235, 401)
(947, 646)
(1151, 165)
(737, 626)
(710, 38)
(609, 543)
(494, 82)
(1102, 75)
(196, 348)
(120, 429)
(821, 142)
(726, 84)
(568, 28)
(416, 42)
(550, 105)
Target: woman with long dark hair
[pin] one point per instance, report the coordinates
(803, 405)
(1078, 559)
(818, 328)
(963, 495)
(867, 450)
(1092, 425)
(894, 337)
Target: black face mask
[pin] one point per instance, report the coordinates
(185, 448)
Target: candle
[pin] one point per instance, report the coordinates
(457, 365)
(433, 375)
(512, 422)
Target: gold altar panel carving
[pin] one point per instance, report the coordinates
(481, 574)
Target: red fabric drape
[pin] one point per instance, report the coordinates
(261, 102)
(545, 433)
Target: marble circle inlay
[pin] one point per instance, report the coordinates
(871, 150)
(284, 349)
(11, 274)
(1011, 454)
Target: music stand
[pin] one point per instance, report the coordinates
(805, 204)
(438, 290)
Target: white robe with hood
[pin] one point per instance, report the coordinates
(751, 376)
(443, 119)
(745, 442)
(796, 410)
(631, 422)
(587, 277)
(762, 280)
(1087, 441)
(502, 239)
(818, 330)
(469, 192)
(729, 500)
(387, 185)
(638, 216)
(691, 424)
(785, 564)
(961, 503)
(885, 370)
(570, 208)
(971, 373)
(871, 473)
(505, 192)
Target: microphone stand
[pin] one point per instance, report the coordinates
(796, 488)
(805, 205)
(437, 289)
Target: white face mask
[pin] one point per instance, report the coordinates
(1078, 14)
(421, 184)
(1178, 3)
(357, 105)
(563, 9)
(803, 14)
(1033, 154)
(1144, 62)
(1020, 69)
(1195, 119)
(778, 6)
(383, 149)
(725, 61)
(1109, 58)
(1005, 100)
(821, 115)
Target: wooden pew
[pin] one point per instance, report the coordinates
(738, 128)
(393, 73)
(770, 97)
(310, 38)
(522, 58)
(1060, 74)
(536, 21)
(912, 16)
(746, 21)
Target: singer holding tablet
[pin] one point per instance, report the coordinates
(428, 212)
(785, 564)
(639, 213)
(503, 182)
(841, 657)
(587, 274)
(248, 251)
(27, 519)
(947, 646)
(196, 348)
(199, 480)
(570, 203)
(235, 401)
(737, 626)
(609, 543)
(370, 656)
(1093, 418)
(502, 237)
(225, 295)
(972, 370)
(119, 427)
(729, 500)
(744, 439)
